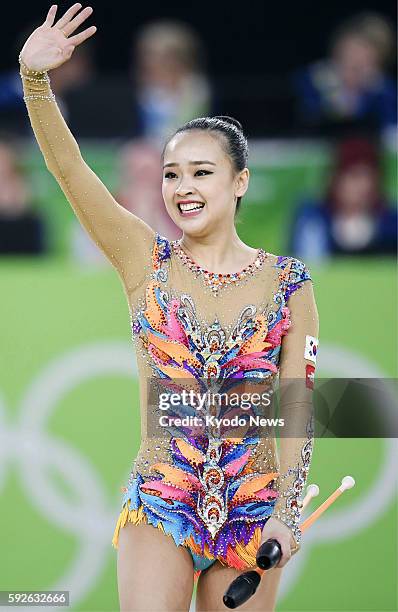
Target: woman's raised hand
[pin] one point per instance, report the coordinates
(49, 46)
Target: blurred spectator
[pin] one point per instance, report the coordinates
(165, 86)
(351, 86)
(140, 188)
(167, 70)
(21, 229)
(353, 217)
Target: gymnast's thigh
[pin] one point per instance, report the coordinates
(153, 573)
(213, 583)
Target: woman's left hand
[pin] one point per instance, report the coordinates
(280, 532)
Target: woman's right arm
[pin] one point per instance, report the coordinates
(125, 239)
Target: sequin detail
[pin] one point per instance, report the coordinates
(293, 272)
(291, 513)
(208, 497)
(172, 335)
(216, 280)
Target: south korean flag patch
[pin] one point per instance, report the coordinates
(311, 348)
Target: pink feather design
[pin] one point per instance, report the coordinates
(275, 335)
(167, 491)
(265, 494)
(232, 468)
(252, 360)
(173, 328)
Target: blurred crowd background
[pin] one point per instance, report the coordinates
(314, 85)
(312, 93)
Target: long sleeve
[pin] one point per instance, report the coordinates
(124, 238)
(296, 377)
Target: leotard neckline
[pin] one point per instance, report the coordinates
(217, 279)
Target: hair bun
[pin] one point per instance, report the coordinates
(231, 120)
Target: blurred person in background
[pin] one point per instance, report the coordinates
(166, 83)
(351, 86)
(22, 229)
(140, 186)
(168, 76)
(354, 217)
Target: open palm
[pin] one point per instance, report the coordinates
(49, 46)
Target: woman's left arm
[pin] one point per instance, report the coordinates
(296, 378)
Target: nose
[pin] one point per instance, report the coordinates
(183, 189)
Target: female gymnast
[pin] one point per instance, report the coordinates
(196, 507)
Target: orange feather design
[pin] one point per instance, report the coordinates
(176, 476)
(256, 343)
(175, 350)
(154, 313)
(192, 454)
(249, 488)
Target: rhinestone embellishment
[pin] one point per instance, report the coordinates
(216, 280)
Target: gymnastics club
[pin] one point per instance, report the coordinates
(269, 553)
(312, 491)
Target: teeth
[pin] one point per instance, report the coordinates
(189, 207)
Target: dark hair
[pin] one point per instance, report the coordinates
(234, 142)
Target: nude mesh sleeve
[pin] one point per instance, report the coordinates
(296, 443)
(123, 237)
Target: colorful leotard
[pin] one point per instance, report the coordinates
(211, 494)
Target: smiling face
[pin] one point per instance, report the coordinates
(198, 173)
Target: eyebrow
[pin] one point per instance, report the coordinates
(192, 163)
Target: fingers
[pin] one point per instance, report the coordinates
(51, 15)
(78, 20)
(79, 38)
(64, 20)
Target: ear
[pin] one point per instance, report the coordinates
(242, 183)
